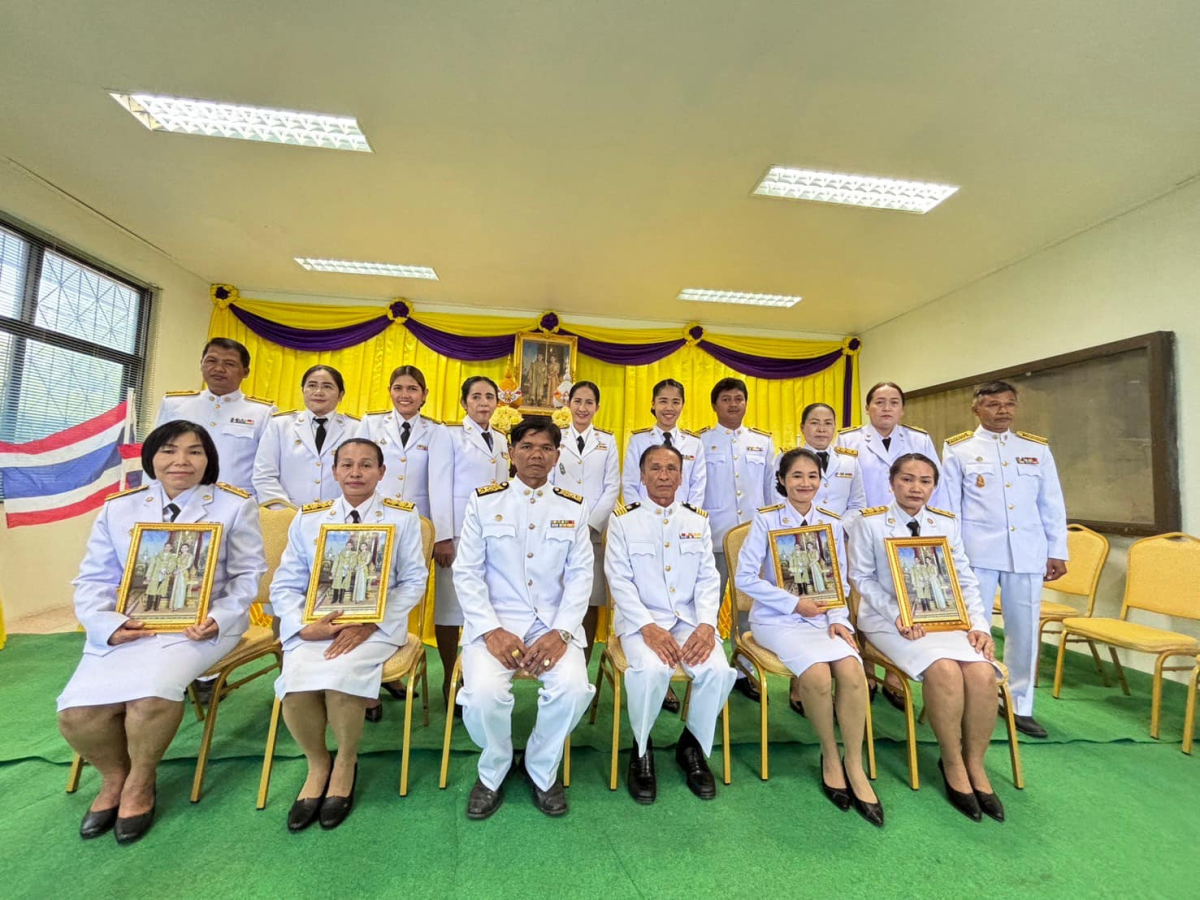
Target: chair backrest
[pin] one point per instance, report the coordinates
(734, 539)
(275, 524)
(1088, 551)
(427, 541)
(1164, 576)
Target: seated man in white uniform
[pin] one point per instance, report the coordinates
(666, 592)
(523, 574)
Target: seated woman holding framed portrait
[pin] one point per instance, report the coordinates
(905, 551)
(809, 629)
(151, 629)
(338, 627)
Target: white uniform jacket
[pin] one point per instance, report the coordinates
(691, 489)
(240, 560)
(406, 580)
(660, 569)
(871, 575)
(739, 477)
(289, 467)
(874, 460)
(595, 473)
(524, 555)
(235, 422)
(1004, 488)
(474, 464)
(419, 472)
(842, 489)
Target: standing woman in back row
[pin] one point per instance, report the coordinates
(666, 406)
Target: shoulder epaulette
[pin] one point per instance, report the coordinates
(941, 512)
(697, 510)
(283, 412)
(602, 431)
(447, 424)
(352, 418)
(399, 504)
(260, 400)
(959, 438)
(846, 451)
(848, 429)
(491, 488)
(640, 430)
(622, 508)
(828, 512)
(1037, 438)
(763, 433)
(316, 507)
(915, 428)
(377, 412)
(568, 495)
(123, 493)
(873, 511)
(766, 509)
(182, 394)
(233, 490)
(694, 434)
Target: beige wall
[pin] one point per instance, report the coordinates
(1134, 274)
(38, 563)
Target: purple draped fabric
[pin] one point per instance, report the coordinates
(766, 366)
(467, 349)
(311, 339)
(626, 354)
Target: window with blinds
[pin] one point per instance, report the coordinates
(72, 337)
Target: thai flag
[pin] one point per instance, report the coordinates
(72, 472)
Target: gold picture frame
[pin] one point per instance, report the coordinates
(167, 583)
(929, 597)
(545, 366)
(352, 560)
(812, 551)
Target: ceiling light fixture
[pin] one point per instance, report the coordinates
(701, 295)
(248, 123)
(350, 267)
(853, 190)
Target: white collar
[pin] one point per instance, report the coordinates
(1000, 436)
(231, 397)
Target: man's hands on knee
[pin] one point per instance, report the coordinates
(699, 645)
(506, 647)
(660, 641)
(544, 654)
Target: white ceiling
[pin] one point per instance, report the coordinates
(596, 158)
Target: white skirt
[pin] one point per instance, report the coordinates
(914, 657)
(801, 645)
(359, 672)
(446, 610)
(160, 666)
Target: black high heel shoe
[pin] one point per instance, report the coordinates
(97, 823)
(130, 829)
(872, 812)
(335, 809)
(304, 812)
(839, 797)
(964, 803)
(991, 805)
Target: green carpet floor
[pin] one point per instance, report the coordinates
(1106, 812)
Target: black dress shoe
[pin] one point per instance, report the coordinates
(1030, 726)
(839, 797)
(553, 802)
(374, 713)
(964, 803)
(397, 690)
(671, 702)
(642, 781)
(897, 700)
(746, 688)
(797, 706)
(304, 812)
(129, 829)
(483, 800)
(335, 809)
(872, 812)
(97, 823)
(691, 759)
(203, 691)
(991, 805)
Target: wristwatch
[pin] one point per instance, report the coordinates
(566, 636)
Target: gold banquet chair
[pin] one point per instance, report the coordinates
(407, 664)
(258, 642)
(1088, 551)
(1189, 719)
(1162, 577)
(763, 660)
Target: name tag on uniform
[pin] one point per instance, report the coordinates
(754, 449)
(562, 523)
(234, 420)
(845, 475)
(689, 536)
(602, 446)
(423, 447)
(1027, 460)
(692, 458)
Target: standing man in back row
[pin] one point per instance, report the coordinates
(1004, 487)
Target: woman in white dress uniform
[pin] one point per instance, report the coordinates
(956, 668)
(841, 478)
(819, 647)
(588, 466)
(479, 457)
(294, 462)
(331, 669)
(123, 705)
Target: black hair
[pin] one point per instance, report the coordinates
(913, 457)
(989, 388)
(728, 384)
(412, 372)
(584, 384)
(228, 344)
(808, 409)
(466, 385)
(668, 383)
(535, 425)
(788, 460)
(358, 440)
(333, 373)
(883, 384)
(655, 447)
(167, 432)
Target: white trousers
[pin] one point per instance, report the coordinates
(1020, 605)
(648, 678)
(487, 703)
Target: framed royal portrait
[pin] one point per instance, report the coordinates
(168, 576)
(546, 367)
(350, 574)
(806, 564)
(926, 584)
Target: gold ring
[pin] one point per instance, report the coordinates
(516, 654)
(545, 662)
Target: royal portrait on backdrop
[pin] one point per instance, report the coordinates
(546, 364)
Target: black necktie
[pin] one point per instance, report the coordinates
(579, 443)
(320, 437)
(404, 430)
(804, 523)
(887, 443)
(915, 527)
(823, 455)
(355, 517)
(487, 439)
(667, 440)
(171, 510)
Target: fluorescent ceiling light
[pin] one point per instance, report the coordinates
(351, 267)
(248, 123)
(704, 296)
(853, 190)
